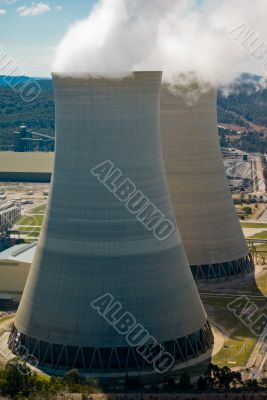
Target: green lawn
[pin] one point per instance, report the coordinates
(235, 352)
(239, 342)
(30, 225)
(259, 235)
(30, 232)
(34, 235)
(39, 209)
(253, 225)
(26, 229)
(262, 283)
(31, 220)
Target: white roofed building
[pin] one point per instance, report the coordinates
(15, 264)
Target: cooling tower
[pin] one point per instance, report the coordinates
(205, 214)
(102, 238)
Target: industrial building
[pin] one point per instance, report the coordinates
(15, 264)
(92, 246)
(25, 140)
(9, 213)
(26, 167)
(210, 229)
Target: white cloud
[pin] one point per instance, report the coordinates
(2, 12)
(58, 8)
(35, 9)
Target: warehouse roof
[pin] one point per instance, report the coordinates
(33, 162)
(20, 253)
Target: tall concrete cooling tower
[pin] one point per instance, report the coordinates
(210, 229)
(103, 236)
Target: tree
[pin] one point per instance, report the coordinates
(73, 381)
(202, 383)
(221, 377)
(72, 377)
(212, 376)
(252, 384)
(132, 382)
(225, 377)
(247, 210)
(185, 381)
(171, 385)
(16, 378)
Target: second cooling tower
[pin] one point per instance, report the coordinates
(210, 229)
(110, 287)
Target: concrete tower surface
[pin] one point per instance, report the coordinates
(209, 226)
(96, 244)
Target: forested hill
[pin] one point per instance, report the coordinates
(38, 115)
(19, 79)
(247, 99)
(246, 103)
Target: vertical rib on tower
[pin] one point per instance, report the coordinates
(91, 244)
(209, 226)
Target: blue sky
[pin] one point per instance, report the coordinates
(30, 31)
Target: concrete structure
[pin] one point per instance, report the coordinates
(25, 140)
(210, 229)
(9, 213)
(92, 245)
(15, 264)
(29, 167)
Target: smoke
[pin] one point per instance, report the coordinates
(175, 36)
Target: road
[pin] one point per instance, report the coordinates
(230, 295)
(259, 187)
(263, 217)
(257, 361)
(4, 332)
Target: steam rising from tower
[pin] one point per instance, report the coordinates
(171, 36)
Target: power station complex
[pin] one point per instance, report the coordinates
(210, 229)
(103, 238)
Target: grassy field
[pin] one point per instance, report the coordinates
(259, 235)
(39, 209)
(235, 352)
(26, 229)
(31, 220)
(253, 225)
(34, 235)
(262, 283)
(239, 341)
(30, 225)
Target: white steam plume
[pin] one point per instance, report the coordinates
(170, 35)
